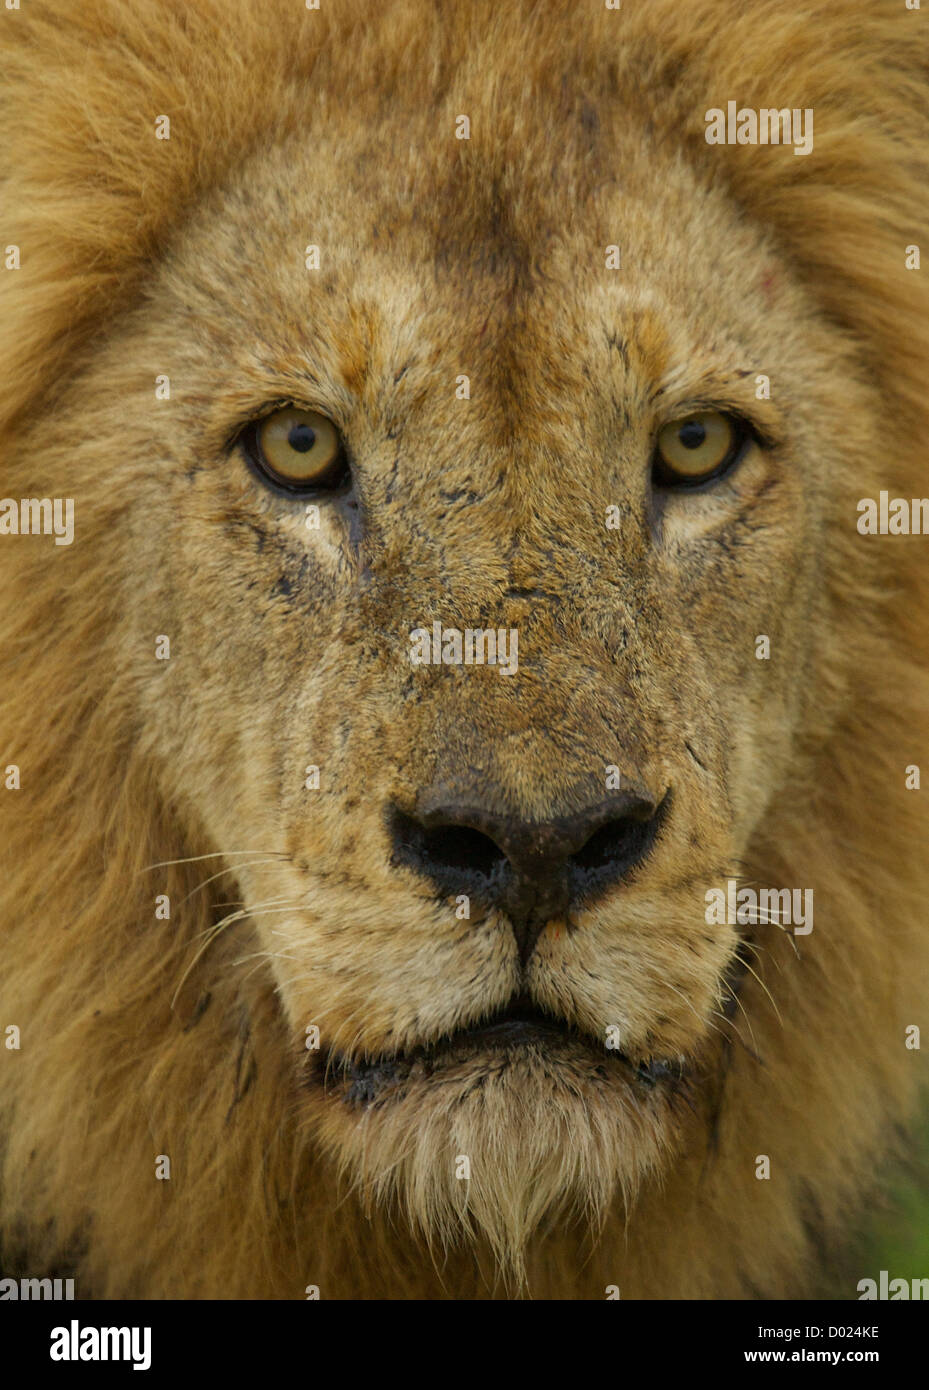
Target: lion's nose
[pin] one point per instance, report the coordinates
(534, 871)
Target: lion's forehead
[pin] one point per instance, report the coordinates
(556, 291)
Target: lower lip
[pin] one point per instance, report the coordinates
(512, 1033)
(367, 1081)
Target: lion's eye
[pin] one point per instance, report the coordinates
(299, 450)
(695, 448)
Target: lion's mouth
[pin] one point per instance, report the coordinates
(520, 1028)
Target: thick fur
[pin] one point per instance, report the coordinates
(143, 1037)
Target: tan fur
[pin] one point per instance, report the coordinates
(441, 257)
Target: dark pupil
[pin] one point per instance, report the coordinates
(302, 438)
(692, 435)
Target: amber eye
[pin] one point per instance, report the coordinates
(697, 447)
(299, 450)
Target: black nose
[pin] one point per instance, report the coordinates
(533, 871)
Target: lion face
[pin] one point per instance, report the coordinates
(503, 944)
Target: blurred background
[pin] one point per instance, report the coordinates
(896, 1231)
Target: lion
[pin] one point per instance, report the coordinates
(345, 950)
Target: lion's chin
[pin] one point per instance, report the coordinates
(498, 1130)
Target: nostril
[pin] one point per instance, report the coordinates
(611, 852)
(447, 853)
(460, 847)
